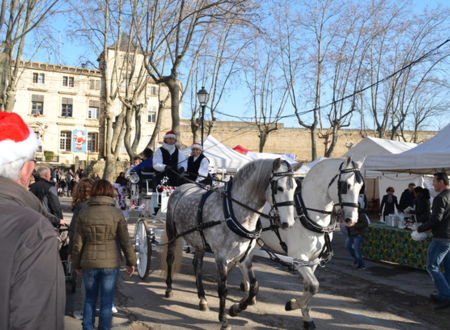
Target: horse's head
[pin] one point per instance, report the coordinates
(344, 190)
(280, 192)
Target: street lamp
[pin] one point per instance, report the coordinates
(202, 96)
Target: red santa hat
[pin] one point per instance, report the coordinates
(17, 140)
(170, 134)
(196, 145)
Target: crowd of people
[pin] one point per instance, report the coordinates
(32, 281)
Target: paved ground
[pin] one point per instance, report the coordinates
(383, 296)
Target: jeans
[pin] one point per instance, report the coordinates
(438, 255)
(353, 245)
(103, 281)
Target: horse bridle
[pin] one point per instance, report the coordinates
(343, 188)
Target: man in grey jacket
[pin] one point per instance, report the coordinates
(32, 292)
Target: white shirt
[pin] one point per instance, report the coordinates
(203, 170)
(158, 164)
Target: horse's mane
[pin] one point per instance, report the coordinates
(260, 170)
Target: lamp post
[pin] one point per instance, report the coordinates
(202, 96)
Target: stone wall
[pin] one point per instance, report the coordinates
(285, 140)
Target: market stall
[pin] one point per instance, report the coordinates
(385, 243)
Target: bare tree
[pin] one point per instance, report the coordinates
(172, 30)
(17, 20)
(267, 92)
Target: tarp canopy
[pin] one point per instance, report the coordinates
(241, 149)
(268, 155)
(431, 156)
(374, 146)
(220, 156)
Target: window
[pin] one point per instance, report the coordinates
(151, 115)
(94, 84)
(68, 81)
(92, 142)
(38, 78)
(38, 135)
(37, 105)
(67, 107)
(65, 140)
(154, 90)
(94, 109)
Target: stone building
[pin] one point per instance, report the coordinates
(63, 105)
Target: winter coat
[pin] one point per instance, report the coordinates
(360, 227)
(439, 221)
(422, 209)
(32, 286)
(46, 192)
(73, 223)
(100, 228)
(389, 203)
(406, 199)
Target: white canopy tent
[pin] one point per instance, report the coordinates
(220, 156)
(374, 146)
(431, 156)
(376, 181)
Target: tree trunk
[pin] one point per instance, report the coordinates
(175, 92)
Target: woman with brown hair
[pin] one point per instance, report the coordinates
(80, 196)
(100, 230)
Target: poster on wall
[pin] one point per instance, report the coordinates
(79, 140)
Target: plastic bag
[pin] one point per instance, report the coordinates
(415, 235)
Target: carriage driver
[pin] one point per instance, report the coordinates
(169, 161)
(198, 165)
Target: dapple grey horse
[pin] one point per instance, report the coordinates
(228, 222)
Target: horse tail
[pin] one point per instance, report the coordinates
(171, 246)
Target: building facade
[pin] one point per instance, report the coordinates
(64, 104)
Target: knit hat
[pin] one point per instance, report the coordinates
(196, 145)
(17, 140)
(170, 134)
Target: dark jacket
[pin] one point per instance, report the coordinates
(18, 195)
(73, 223)
(389, 206)
(100, 227)
(439, 221)
(406, 199)
(422, 209)
(46, 192)
(32, 288)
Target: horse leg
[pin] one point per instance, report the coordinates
(246, 268)
(170, 257)
(198, 265)
(222, 291)
(311, 287)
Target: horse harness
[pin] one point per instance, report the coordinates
(302, 211)
(230, 218)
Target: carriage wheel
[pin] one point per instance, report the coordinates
(143, 248)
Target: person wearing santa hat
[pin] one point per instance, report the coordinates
(32, 284)
(198, 165)
(168, 161)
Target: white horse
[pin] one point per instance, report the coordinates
(226, 221)
(330, 183)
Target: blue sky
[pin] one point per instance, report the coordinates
(68, 50)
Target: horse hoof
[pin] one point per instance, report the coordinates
(289, 305)
(203, 306)
(169, 294)
(252, 302)
(309, 325)
(234, 310)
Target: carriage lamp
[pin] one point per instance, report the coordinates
(202, 96)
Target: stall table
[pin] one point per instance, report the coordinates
(385, 243)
